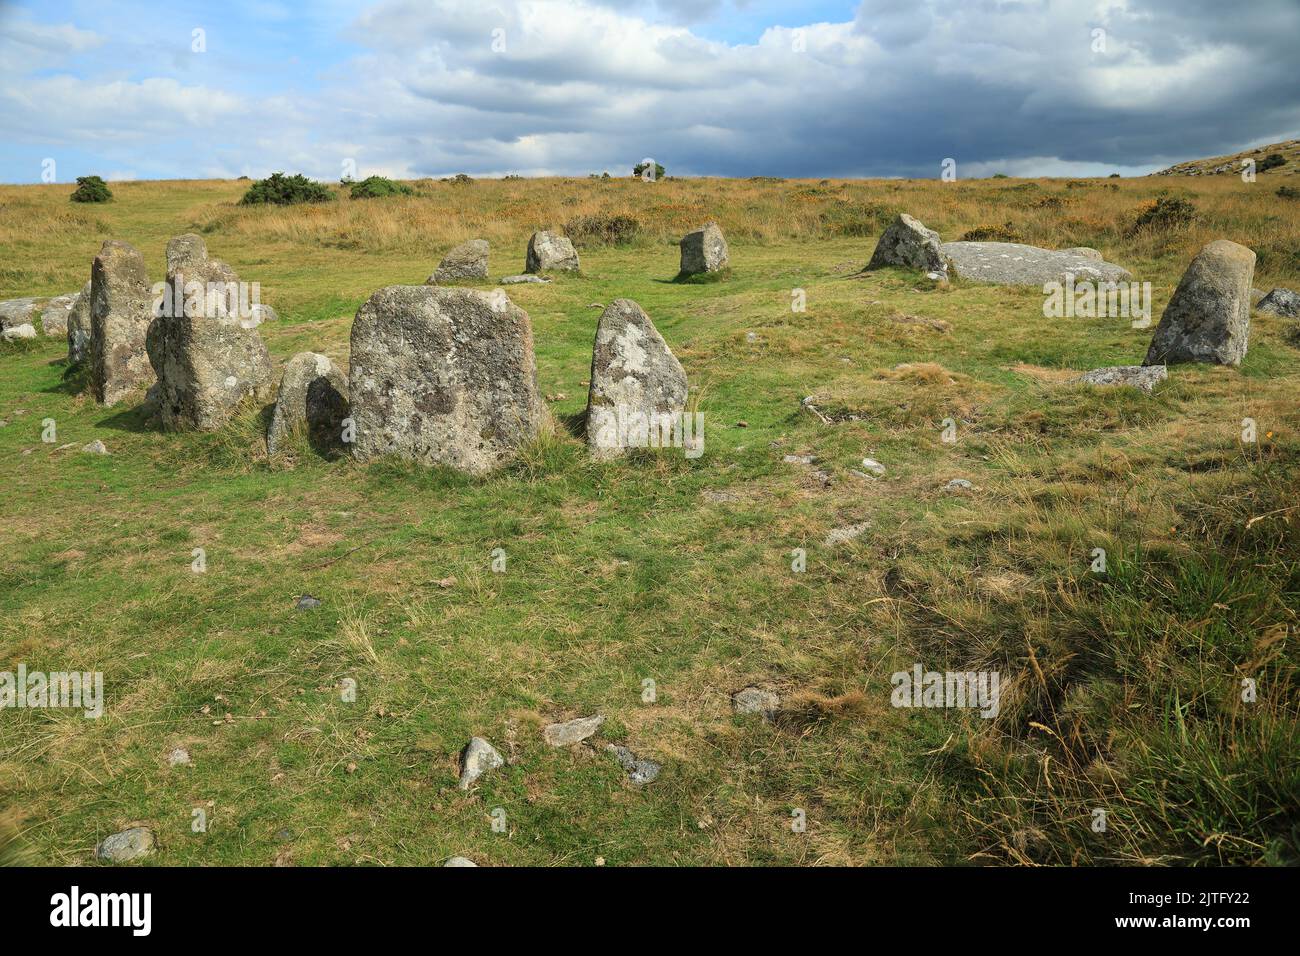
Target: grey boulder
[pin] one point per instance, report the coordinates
(1281, 302)
(54, 316)
(312, 398)
(12, 333)
(14, 312)
(469, 260)
(548, 252)
(444, 376)
(1208, 318)
(704, 250)
(121, 309)
(1013, 263)
(637, 384)
(639, 770)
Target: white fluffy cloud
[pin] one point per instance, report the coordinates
(574, 86)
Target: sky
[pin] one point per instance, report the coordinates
(831, 88)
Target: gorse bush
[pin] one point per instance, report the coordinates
(1167, 212)
(1271, 161)
(376, 187)
(856, 219)
(1288, 192)
(602, 230)
(91, 189)
(281, 190)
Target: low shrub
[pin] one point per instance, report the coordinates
(91, 189)
(376, 187)
(281, 190)
(602, 230)
(1003, 233)
(1167, 212)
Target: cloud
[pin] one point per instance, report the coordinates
(575, 86)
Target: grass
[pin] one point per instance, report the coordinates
(1121, 692)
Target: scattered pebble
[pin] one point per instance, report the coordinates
(132, 844)
(958, 484)
(476, 759)
(571, 731)
(873, 466)
(638, 771)
(307, 602)
(755, 700)
(178, 757)
(460, 861)
(96, 447)
(799, 459)
(838, 536)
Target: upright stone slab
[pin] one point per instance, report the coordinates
(704, 250)
(908, 243)
(548, 252)
(468, 261)
(1208, 318)
(443, 376)
(206, 359)
(312, 398)
(79, 327)
(635, 379)
(185, 251)
(121, 308)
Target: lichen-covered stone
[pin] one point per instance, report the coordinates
(121, 310)
(54, 314)
(468, 261)
(634, 375)
(78, 331)
(908, 243)
(548, 252)
(185, 251)
(1208, 318)
(444, 376)
(206, 359)
(704, 250)
(1144, 377)
(312, 398)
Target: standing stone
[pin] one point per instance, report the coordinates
(907, 242)
(444, 376)
(16, 312)
(207, 362)
(704, 250)
(313, 397)
(121, 309)
(79, 327)
(185, 251)
(469, 260)
(1208, 319)
(548, 252)
(54, 317)
(634, 378)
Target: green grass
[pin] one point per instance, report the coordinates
(1119, 692)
